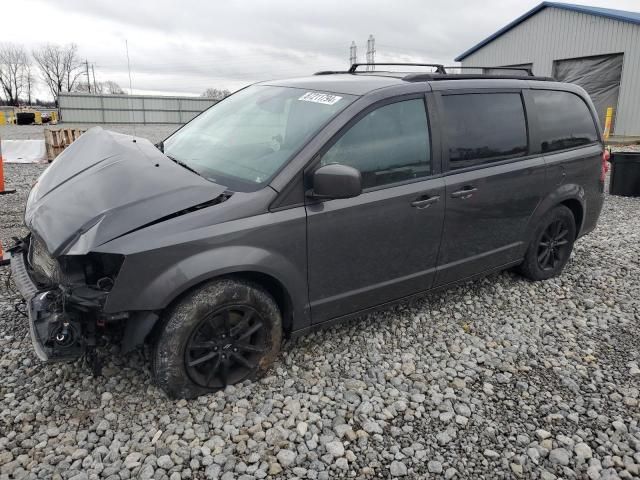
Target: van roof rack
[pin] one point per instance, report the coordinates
(439, 67)
(526, 70)
(428, 77)
(444, 73)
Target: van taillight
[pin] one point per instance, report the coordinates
(605, 165)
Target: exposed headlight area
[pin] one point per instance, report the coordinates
(65, 308)
(46, 269)
(96, 271)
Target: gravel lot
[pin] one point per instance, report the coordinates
(501, 378)
(155, 133)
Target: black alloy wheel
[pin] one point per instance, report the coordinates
(220, 333)
(551, 244)
(554, 246)
(226, 347)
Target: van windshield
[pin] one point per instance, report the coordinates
(242, 141)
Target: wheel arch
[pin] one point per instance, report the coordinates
(267, 282)
(273, 287)
(162, 284)
(578, 212)
(568, 195)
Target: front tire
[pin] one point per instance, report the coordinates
(551, 246)
(224, 332)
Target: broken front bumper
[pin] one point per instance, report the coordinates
(54, 333)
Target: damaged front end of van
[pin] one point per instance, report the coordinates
(103, 187)
(65, 298)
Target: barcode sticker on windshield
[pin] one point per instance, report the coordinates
(324, 98)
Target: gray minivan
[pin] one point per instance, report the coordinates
(296, 203)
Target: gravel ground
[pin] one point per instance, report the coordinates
(625, 148)
(501, 378)
(155, 133)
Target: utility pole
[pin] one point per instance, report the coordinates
(95, 85)
(86, 62)
(371, 52)
(353, 53)
(29, 84)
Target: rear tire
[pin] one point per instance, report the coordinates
(224, 332)
(551, 245)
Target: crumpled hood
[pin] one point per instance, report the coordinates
(106, 184)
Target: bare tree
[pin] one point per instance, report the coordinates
(108, 88)
(215, 93)
(84, 87)
(13, 64)
(112, 88)
(59, 66)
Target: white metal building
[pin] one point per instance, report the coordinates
(596, 48)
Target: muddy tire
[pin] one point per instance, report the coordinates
(224, 332)
(551, 246)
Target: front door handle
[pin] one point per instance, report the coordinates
(465, 193)
(424, 202)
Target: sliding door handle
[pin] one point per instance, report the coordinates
(466, 192)
(423, 202)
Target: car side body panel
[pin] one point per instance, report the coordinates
(372, 248)
(164, 261)
(488, 229)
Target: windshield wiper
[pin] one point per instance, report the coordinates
(182, 164)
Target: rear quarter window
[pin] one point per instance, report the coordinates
(564, 120)
(483, 128)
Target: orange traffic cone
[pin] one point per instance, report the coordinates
(3, 260)
(2, 189)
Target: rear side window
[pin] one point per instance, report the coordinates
(388, 145)
(483, 128)
(564, 120)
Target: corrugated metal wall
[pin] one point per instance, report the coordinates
(557, 34)
(85, 108)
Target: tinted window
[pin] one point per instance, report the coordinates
(565, 120)
(388, 145)
(484, 127)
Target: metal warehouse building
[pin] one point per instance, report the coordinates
(596, 48)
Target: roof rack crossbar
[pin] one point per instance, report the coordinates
(428, 77)
(517, 69)
(439, 68)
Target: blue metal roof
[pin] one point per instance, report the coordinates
(621, 15)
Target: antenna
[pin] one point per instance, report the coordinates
(131, 115)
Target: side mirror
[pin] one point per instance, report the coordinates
(336, 181)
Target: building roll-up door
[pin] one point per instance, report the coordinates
(599, 76)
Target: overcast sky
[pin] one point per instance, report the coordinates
(183, 47)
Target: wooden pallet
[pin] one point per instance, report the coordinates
(56, 140)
